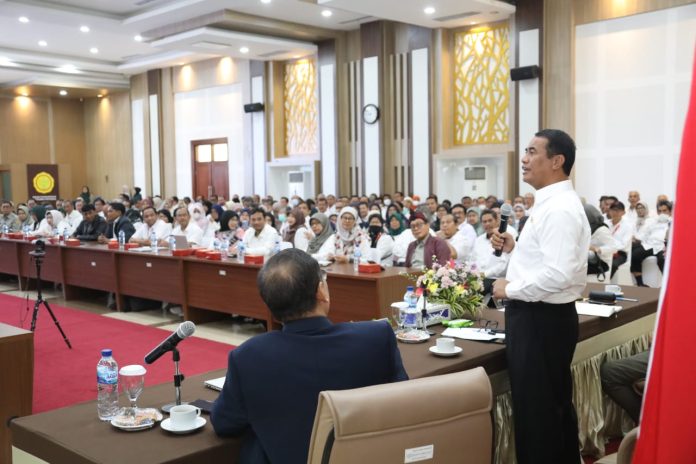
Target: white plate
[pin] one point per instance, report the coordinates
(167, 425)
(155, 416)
(418, 336)
(446, 354)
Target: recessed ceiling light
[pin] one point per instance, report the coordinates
(94, 50)
(138, 38)
(327, 13)
(428, 10)
(23, 19)
(99, 95)
(4, 61)
(244, 50)
(63, 93)
(68, 68)
(265, 1)
(43, 43)
(84, 29)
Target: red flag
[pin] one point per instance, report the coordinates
(668, 420)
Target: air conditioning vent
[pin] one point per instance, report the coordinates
(274, 53)
(467, 14)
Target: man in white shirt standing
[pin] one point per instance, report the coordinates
(546, 274)
(185, 226)
(151, 223)
(260, 237)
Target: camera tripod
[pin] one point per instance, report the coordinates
(38, 258)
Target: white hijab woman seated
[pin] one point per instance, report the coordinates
(53, 224)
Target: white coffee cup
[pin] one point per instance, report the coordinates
(445, 345)
(183, 416)
(612, 289)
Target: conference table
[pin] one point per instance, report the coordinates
(74, 435)
(205, 289)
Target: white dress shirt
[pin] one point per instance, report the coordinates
(603, 240)
(652, 235)
(492, 266)
(468, 231)
(161, 228)
(382, 253)
(264, 242)
(73, 219)
(549, 261)
(193, 233)
(462, 244)
(301, 241)
(622, 232)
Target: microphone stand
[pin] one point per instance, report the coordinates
(178, 378)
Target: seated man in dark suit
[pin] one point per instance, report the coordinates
(92, 225)
(422, 250)
(117, 222)
(273, 380)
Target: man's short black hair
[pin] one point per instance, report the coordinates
(458, 205)
(146, 208)
(559, 143)
(432, 196)
(491, 212)
(5, 202)
(118, 207)
(256, 211)
(100, 200)
(617, 205)
(87, 207)
(288, 284)
(666, 203)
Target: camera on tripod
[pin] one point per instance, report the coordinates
(39, 249)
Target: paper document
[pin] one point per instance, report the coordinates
(470, 333)
(592, 309)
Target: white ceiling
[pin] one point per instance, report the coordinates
(113, 25)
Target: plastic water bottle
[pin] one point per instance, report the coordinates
(240, 252)
(411, 315)
(121, 240)
(5, 230)
(276, 247)
(56, 234)
(153, 241)
(216, 245)
(66, 235)
(172, 243)
(357, 254)
(107, 386)
(26, 231)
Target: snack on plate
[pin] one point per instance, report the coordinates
(141, 418)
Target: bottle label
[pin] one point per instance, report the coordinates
(106, 375)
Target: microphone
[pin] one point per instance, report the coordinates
(505, 213)
(184, 330)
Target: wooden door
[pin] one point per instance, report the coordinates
(210, 168)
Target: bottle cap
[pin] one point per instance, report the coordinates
(106, 352)
(409, 288)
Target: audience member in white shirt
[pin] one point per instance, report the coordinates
(631, 213)
(260, 238)
(322, 246)
(493, 267)
(72, 216)
(459, 243)
(622, 232)
(151, 223)
(649, 238)
(602, 245)
(53, 223)
(379, 244)
(185, 226)
(296, 233)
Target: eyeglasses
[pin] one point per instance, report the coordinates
(417, 225)
(487, 326)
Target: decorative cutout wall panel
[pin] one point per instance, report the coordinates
(301, 108)
(481, 85)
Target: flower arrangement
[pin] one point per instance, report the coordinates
(458, 285)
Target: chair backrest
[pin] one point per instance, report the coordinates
(446, 417)
(627, 447)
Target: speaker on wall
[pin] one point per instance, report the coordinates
(524, 72)
(253, 107)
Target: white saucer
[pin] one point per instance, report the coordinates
(166, 424)
(457, 349)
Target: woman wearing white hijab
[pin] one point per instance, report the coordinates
(348, 235)
(53, 220)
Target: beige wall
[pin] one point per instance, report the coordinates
(108, 141)
(42, 131)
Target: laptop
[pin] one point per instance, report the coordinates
(215, 384)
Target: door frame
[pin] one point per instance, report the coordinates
(194, 144)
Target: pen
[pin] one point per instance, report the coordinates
(620, 298)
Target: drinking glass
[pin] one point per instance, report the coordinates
(132, 381)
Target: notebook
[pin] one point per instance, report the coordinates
(215, 384)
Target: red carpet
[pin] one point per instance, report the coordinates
(63, 377)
